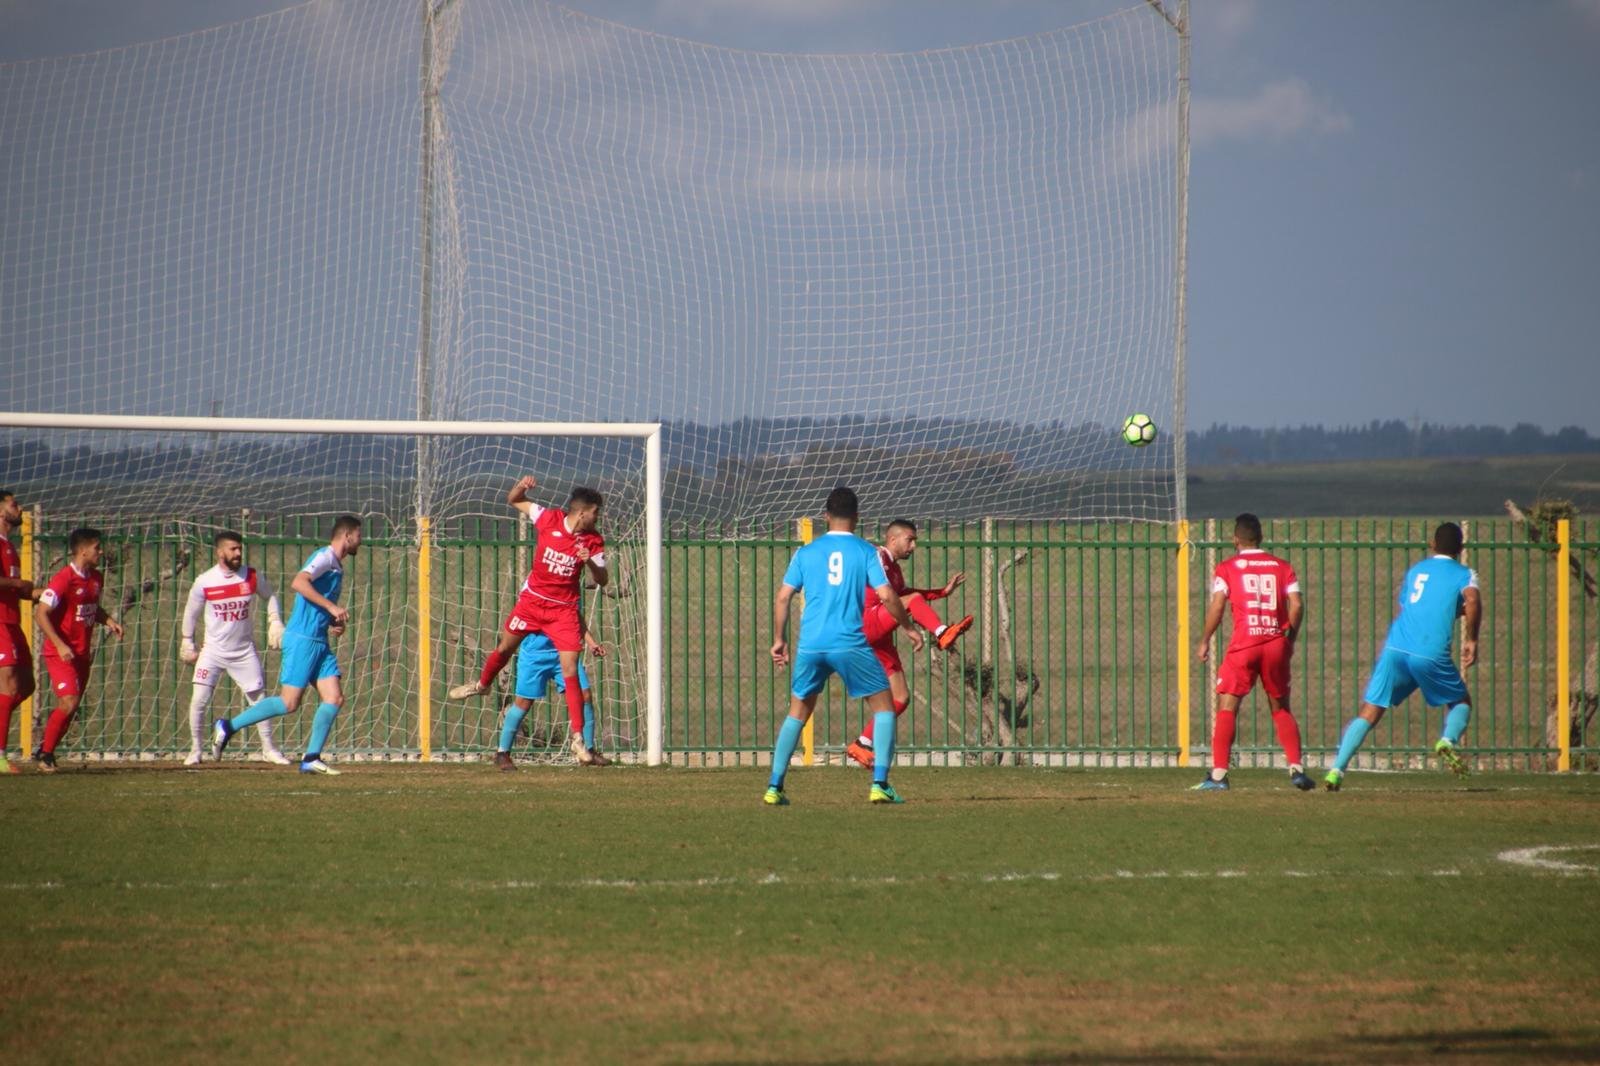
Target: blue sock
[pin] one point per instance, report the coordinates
(783, 751)
(508, 732)
(260, 711)
(320, 726)
(882, 746)
(588, 725)
(1455, 723)
(1354, 734)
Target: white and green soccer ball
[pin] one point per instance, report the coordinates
(1138, 430)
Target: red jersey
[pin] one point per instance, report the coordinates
(1258, 585)
(10, 599)
(557, 573)
(73, 602)
(897, 580)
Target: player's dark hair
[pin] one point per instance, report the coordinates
(1448, 540)
(583, 496)
(901, 523)
(1247, 527)
(81, 536)
(227, 534)
(344, 524)
(842, 503)
(6, 494)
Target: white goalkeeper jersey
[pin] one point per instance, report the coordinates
(227, 597)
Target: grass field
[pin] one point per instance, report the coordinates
(453, 914)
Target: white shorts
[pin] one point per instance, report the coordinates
(244, 667)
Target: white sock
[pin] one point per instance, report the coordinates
(941, 629)
(197, 715)
(864, 740)
(1217, 773)
(1296, 768)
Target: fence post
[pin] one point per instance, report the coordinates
(1183, 642)
(1563, 642)
(807, 734)
(30, 526)
(425, 636)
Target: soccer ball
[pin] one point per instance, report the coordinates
(1138, 430)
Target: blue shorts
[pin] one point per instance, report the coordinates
(305, 661)
(536, 671)
(859, 667)
(1399, 673)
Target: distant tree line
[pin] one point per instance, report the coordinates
(1221, 445)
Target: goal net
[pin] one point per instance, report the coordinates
(427, 590)
(943, 278)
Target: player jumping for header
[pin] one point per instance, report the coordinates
(1267, 608)
(899, 542)
(16, 661)
(831, 571)
(307, 657)
(551, 595)
(67, 612)
(225, 595)
(1416, 653)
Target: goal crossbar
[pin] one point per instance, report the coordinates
(649, 432)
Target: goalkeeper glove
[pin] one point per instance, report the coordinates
(274, 634)
(187, 651)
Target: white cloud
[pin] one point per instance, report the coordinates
(1277, 111)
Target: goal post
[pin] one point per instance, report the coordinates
(134, 493)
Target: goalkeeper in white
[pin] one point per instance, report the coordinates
(226, 595)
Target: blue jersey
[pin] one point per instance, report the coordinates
(832, 571)
(1430, 601)
(308, 620)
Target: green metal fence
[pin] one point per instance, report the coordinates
(1074, 658)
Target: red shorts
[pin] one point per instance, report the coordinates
(1269, 661)
(558, 621)
(67, 679)
(14, 653)
(878, 626)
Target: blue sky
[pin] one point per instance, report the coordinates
(1395, 206)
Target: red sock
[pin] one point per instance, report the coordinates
(492, 666)
(54, 727)
(922, 614)
(574, 703)
(1222, 739)
(899, 709)
(1288, 734)
(6, 705)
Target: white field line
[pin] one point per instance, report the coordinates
(1526, 857)
(1535, 858)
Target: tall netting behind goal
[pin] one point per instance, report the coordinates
(943, 278)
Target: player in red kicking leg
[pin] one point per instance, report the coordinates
(549, 600)
(899, 542)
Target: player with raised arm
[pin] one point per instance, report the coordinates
(67, 612)
(831, 571)
(1416, 652)
(225, 596)
(1267, 609)
(899, 542)
(538, 664)
(307, 658)
(549, 602)
(16, 660)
